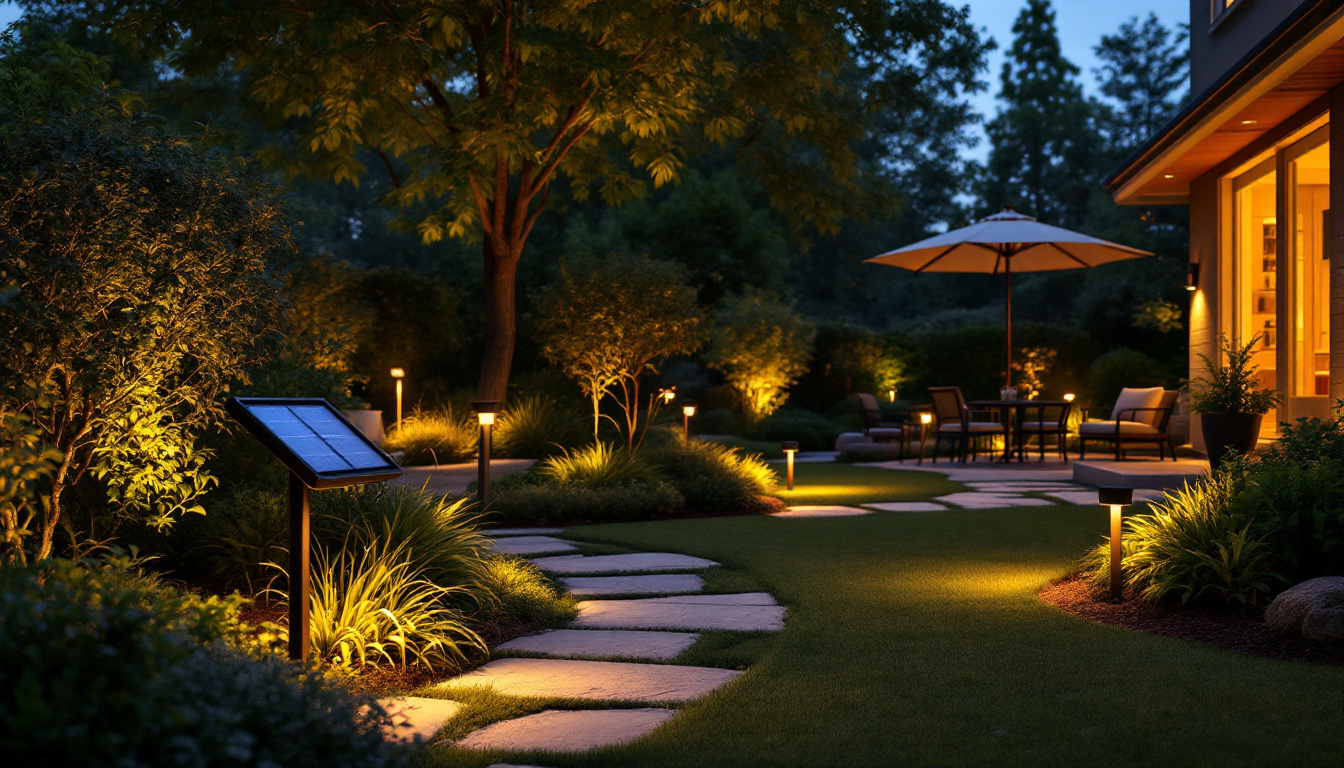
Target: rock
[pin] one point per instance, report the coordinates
(415, 719)
(556, 730)
(1314, 609)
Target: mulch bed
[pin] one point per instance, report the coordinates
(1240, 630)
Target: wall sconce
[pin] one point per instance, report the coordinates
(1192, 276)
(687, 411)
(790, 448)
(397, 375)
(485, 414)
(1116, 499)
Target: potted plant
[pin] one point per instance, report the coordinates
(1230, 401)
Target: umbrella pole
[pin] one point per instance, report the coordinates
(1008, 283)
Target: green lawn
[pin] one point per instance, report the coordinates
(918, 639)
(834, 483)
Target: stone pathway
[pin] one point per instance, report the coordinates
(822, 511)
(644, 629)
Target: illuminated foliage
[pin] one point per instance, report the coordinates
(135, 275)
(1160, 315)
(1032, 363)
(606, 322)
(762, 346)
(25, 463)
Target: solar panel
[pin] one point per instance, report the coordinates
(314, 441)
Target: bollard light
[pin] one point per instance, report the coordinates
(891, 394)
(1116, 499)
(1070, 397)
(687, 411)
(397, 375)
(485, 414)
(790, 448)
(925, 419)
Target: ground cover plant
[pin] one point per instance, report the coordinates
(434, 437)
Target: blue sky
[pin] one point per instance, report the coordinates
(1081, 25)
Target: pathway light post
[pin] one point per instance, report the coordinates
(485, 414)
(790, 448)
(1116, 499)
(397, 375)
(687, 411)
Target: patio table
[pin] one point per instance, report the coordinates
(1010, 415)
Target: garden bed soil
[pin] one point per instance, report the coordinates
(1240, 630)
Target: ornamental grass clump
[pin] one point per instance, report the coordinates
(600, 465)
(536, 428)
(515, 591)
(434, 437)
(712, 477)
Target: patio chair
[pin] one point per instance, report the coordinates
(1139, 416)
(1051, 421)
(956, 422)
(879, 431)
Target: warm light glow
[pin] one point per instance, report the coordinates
(688, 410)
(1070, 397)
(926, 418)
(668, 395)
(486, 419)
(398, 373)
(1168, 175)
(891, 393)
(790, 451)
(1248, 122)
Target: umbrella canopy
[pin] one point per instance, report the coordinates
(1007, 242)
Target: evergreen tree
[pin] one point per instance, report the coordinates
(1145, 74)
(1043, 157)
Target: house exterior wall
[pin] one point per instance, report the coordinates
(1218, 44)
(1204, 308)
(1335, 246)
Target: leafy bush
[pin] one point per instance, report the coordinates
(1231, 385)
(717, 421)
(568, 503)
(242, 535)
(598, 466)
(515, 591)
(1120, 368)
(535, 428)
(712, 477)
(761, 346)
(1194, 546)
(440, 536)
(104, 666)
(812, 432)
(375, 605)
(438, 437)
(850, 358)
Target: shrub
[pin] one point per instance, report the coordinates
(564, 504)
(515, 591)
(717, 421)
(440, 536)
(1193, 546)
(812, 431)
(598, 466)
(1120, 368)
(439, 437)
(761, 346)
(536, 428)
(713, 477)
(105, 666)
(850, 358)
(242, 535)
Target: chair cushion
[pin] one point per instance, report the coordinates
(974, 427)
(1042, 426)
(886, 433)
(1134, 428)
(1138, 398)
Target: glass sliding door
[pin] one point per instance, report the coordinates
(1255, 267)
(1309, 204)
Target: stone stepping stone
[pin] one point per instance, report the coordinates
(907, 506)
(521, 531)
(993, 500)
(750, 612)
(532, 545)
(556, 730)
(416, 719)
(594, 680)
(597, 643)
(653, 584)
(1025, 487)
(822, 511)
(631, 563)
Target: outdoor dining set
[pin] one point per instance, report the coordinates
(1140, 418)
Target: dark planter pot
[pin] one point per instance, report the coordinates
(1225, 432)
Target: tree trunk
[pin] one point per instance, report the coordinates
(501, 271)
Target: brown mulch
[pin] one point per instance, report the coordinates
(1240, 630)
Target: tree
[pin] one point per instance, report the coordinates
(1145, 71)
(474, 110)
(137, 287)
(1043, 156)
(761, 346)
(606, 322)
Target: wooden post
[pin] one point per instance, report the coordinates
(298, 568)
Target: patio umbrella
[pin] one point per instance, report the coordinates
(1010, 242)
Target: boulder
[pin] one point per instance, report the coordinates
(1313, 609)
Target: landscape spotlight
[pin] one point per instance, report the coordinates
(485, 414)
(1192, 276)
(790, 448)
(687, 411)
(1115, 498)
(397, 375)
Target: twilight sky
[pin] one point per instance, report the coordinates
(1081, 25)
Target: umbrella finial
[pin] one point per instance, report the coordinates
(1007, 207)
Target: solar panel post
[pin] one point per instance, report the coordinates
(298, 568)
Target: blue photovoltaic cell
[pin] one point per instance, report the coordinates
(317, 437)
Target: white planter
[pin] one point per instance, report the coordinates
(368, 422)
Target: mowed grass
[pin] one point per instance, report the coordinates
(918, 639)
(834, 483)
